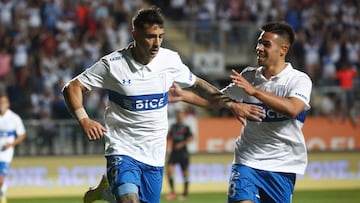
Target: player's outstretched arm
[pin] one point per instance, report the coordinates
(206, 95)
(176, 94)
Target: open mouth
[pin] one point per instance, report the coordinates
(261, 56)
(154, 51)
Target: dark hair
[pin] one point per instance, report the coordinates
(150, 16)
(282, 29)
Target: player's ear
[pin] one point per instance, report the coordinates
(284, 49)
(133, 34)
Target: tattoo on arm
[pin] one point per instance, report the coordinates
(210, 93)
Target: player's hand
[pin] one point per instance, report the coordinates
(244, 111)
(175, 93)
(6, 146)
(241, 82)
(93, 130)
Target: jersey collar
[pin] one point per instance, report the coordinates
(286, 70)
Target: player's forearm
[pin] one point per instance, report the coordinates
(73, 97)
(18, 139)
(192, 98)
(290, 107)
(209, 96)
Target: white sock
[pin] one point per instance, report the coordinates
(3, 191)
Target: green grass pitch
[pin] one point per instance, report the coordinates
(319, 196)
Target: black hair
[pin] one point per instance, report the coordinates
(282, 29)
(150, 16)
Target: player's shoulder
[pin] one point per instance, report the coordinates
(11, 115)
(116, 55)
(297, 73)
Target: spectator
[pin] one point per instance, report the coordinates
(330, 54)
(327, 106)
(312, 58)
(6, 7)
(346, 75)
(5, 62)
(35, 26)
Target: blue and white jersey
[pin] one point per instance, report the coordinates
(277, 143)
(11, 126)
(136, 114)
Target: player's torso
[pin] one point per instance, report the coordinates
(178, 133)
(139, 87)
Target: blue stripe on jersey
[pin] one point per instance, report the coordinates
(273, 116)
(7, 133)
(139, 103)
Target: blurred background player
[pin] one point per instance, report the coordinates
(12, 132)
(180, 135)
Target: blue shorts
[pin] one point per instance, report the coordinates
(122, 170)
(247, 183)
(4, 168)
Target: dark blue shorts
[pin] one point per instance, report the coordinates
(4, 168)
(148, 179)
(247, 183)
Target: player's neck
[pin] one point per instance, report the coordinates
(138, 56)
(273, 70)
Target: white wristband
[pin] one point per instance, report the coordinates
(80, 113)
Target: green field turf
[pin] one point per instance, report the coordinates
(322, 196)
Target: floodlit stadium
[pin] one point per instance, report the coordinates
(45, 43)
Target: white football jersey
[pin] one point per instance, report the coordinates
(277, 143)
(136, 114)
(11, 126)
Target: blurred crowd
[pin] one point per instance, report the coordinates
(44, 43)
(327, 46)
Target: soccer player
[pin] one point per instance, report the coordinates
(12, 132)
(137, 79)
(180, 135)
(268, 153)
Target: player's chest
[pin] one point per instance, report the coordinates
(6, 125)
(139, 81)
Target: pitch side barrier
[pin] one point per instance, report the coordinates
(39, 176)
(212, 135)
(334, 160)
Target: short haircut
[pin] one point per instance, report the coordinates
(282, 29)
(149, 16)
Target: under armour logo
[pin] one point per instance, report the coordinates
(126, 82)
